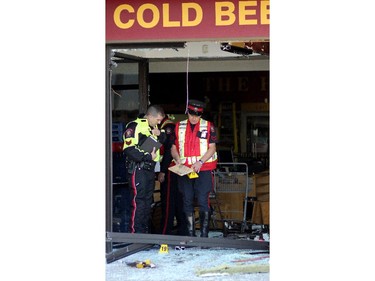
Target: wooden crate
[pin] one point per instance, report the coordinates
(261, 186)
(231, 202)
(252, 187)
(226, 215)
(231, 207)
(263, 197)
(261, 213)
(157, 192)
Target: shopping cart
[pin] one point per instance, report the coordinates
(231, 188)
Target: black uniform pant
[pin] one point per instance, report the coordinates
(171, 204)
(142, 185)
(198, 188)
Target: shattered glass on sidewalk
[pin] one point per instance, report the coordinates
(191, 263)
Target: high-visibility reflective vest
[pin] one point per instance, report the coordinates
(143, 128)
(192, 148)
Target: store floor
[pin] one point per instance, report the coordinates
(192, 263)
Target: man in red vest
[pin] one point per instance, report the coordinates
(195, 147)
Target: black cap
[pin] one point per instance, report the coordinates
(195, 107)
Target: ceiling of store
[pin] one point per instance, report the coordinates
(198, 50)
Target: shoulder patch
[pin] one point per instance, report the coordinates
(129, 133)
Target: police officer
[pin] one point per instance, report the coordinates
(171, 197)
(141, 166)
(195, 147)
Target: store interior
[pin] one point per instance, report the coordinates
(232, 78)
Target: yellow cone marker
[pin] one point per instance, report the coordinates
(163, 249)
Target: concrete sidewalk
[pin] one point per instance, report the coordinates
(192, 263)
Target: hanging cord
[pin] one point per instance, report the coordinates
(187, 81)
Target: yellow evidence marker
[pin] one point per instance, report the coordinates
(163, 249)
(193, 175)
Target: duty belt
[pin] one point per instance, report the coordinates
(145, 165)
(148, 166)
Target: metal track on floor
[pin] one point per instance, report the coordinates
(140, 241)
(126, 251)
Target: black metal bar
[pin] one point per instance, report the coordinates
(108, 147)
(187, 241)
(125, 87)
(259, 252)
(127, 58)
(148, 45)
(126, 251)
(235, 50)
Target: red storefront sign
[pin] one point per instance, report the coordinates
(158, 20)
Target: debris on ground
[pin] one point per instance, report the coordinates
(141, 264)
(227, 269)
